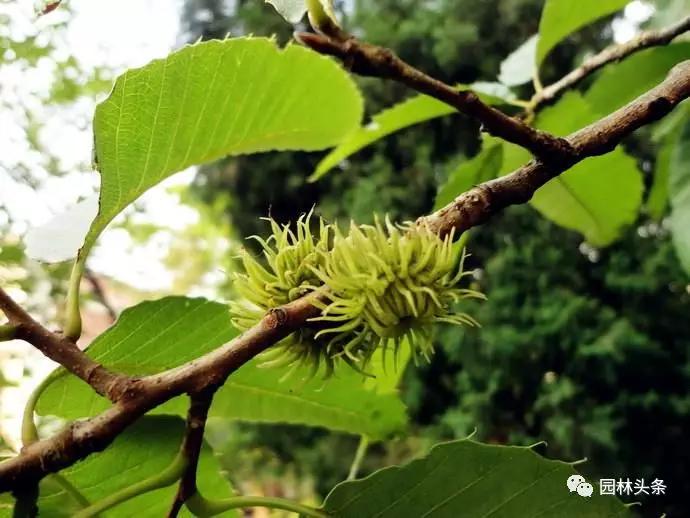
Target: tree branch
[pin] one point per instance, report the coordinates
(81, 438)
(99, 293)
(613, 53)
(477, 205)
(473, 208)
(62, 350)
(370, 60)
(191, 447)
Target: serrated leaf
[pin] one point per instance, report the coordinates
(560, 18)
(158, 335)
(520, 65)
(481, 168)
(213, 99)
(620, 83)
(679, 194)
(417, 109)
(141, 451)
(472, 480)
(599, 196)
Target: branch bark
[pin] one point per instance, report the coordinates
(62, 350)
(477, 205)
(191, 447)
(366, 59)
(80, 439)
(613, 53)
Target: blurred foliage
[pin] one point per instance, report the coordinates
(583, 348)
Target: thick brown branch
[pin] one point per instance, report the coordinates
(191, 447)
(475, 206)
(211, 370)
(613, 53)
(62, 350)
(370, 60)
(82, 438)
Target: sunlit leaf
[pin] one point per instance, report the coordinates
(210, 100)
(293, 10)
(560, 18)
(620, 83)
(472, 480)
(413, 111)
(161, 334)
(519, 67)
(599, 196)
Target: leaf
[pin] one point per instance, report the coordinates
(657, 201)
(520, 65)
(679, 189)
(162, 334)
(666, 134)
(560, 18)
(481, 168)
(72, 227)
(142, 450)
(293, 10)
(341, 403)
(472, 480)
(620, 83)
(210, 100)
(599, 196)
(414, 110)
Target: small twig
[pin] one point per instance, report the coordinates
(200, 506)
(371, 60)
(8, 332)
(191, 447)
(613, 53)
(63, 351)
(26, 501)
(99, 293)
(359, 457)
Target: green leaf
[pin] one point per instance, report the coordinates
(210, 100)
(141, 451)
(520, 65)
(472, 480)
(158, 335)
(679, 188)
(341, 403)
(657, 201)
(481, 168)
(620, 83)
(293, 10)
(560, 18)
(414, 110)
(599, 196)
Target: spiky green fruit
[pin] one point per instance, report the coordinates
(381, 283)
